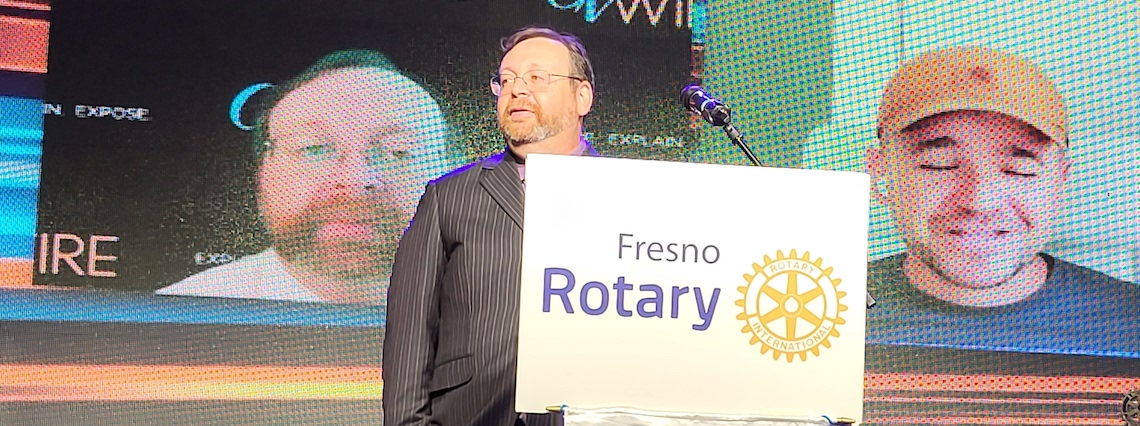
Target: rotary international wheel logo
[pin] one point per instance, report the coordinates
(1131, 409)
(791, 305)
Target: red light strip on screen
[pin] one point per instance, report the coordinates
(993, 388)
(997, 420)
(24, 45)
(27, 5)
(995, 383)
(21, 382)
(16, 273)
(1024, 401)
(25, 382)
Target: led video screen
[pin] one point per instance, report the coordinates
(169, 253)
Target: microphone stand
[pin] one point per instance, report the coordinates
(738, 139)
(721, 116)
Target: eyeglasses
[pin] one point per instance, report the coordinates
(328, 156)
(535, 80)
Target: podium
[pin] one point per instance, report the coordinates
(678, 293)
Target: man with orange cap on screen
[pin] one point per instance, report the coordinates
(972, 164)
(345, 150)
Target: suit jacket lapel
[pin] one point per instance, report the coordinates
(500, 178)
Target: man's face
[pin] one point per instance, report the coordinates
(975, 194)
(528, 114)
(351, 153)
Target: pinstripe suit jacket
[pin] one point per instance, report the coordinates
(451, 342)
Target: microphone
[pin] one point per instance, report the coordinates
(699, 102)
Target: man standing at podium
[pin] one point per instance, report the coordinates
(452, 325)
(972, 163)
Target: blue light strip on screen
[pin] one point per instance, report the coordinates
(18, 141)
(16, 223)
(92, 305)
(1113, 354)
(16, 246)
(21, 147)
(22, 113)
(23, 141)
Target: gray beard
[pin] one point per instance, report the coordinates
(537, 134)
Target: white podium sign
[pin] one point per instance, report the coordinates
(688, 287)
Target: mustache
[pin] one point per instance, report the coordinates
(345, 209)
(363, 210)
(521, 103)
(297, 239)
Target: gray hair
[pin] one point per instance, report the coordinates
(579, 59)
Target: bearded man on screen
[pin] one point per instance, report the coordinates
(345, 151)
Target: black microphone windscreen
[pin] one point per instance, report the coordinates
(686, 95)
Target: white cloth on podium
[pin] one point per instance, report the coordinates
(620, 416)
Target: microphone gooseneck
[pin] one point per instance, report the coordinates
(699, 102)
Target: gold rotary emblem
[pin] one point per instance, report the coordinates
(791, 305)
(1131, 408)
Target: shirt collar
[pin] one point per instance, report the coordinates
(583, 148)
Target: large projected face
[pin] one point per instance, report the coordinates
(350, 152)
(975, 195)
(539, 99)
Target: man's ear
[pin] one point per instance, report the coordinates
(585, 97)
